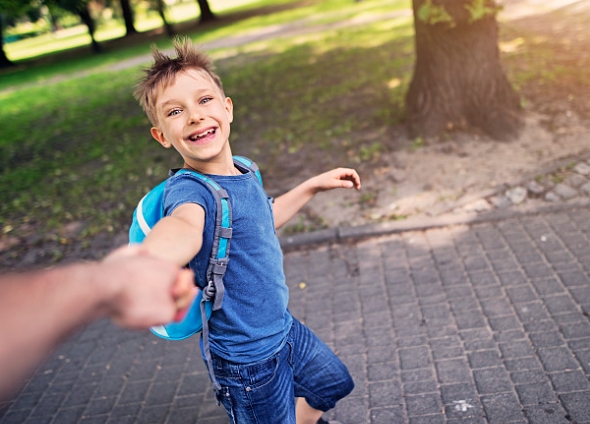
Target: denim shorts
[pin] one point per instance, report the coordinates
(265, 392)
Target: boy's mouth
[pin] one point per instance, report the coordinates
(201, 136)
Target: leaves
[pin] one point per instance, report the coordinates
(432, 14)
(480, 9)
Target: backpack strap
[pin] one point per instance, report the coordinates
(219, 257)
(218, 260)
(244, 162)
(150, 210)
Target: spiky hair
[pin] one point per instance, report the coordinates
(165, 69)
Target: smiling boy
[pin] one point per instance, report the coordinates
(262, 357)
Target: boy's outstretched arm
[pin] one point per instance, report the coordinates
(177, 238)
(287, 205)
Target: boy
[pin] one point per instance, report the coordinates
(262, 357)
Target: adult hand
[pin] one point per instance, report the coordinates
(145, 291)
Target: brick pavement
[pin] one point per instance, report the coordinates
(476, 323)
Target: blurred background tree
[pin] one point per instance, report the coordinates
(10, 10)
(82, 9)
(91, 13)
(128, 17)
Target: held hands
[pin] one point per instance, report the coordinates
(336, 178)
(145, 291)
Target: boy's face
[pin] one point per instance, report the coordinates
(194, 117)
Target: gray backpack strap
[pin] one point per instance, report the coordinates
(247, 164)
(218, 260)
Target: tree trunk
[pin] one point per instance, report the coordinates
(206, 14)
(54, 21)
(128, 18)
(162, 11)
(4, 61)
(458, 80)
(84, 14)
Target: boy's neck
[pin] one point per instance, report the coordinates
(214, 168)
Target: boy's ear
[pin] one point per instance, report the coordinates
(229, 108)
(160, 137)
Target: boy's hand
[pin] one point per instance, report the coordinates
(336, 178)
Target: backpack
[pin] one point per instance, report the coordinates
(150, 210)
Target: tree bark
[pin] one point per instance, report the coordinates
(85, 16)
(4, 61)
(162, 11)
(458, 80)
(128, 17)
(206, 14)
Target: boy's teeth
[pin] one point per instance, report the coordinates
(196, 137)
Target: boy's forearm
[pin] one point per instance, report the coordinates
(288, 204)
(174, 240)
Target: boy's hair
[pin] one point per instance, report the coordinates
(164, 70)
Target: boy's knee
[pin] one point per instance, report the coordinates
(347, 386)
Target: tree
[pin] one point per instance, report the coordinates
(128, 17)
(4, 61)
(206, 14)
(12, 9)
(161, 8)
(80, 8)
(458, 81)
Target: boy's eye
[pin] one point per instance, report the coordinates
(173, 112)
(206, 100)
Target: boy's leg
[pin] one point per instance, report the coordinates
(319, 375)
(260, 393)
(305, 413)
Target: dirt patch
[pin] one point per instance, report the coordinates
(432, 179)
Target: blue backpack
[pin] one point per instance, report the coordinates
(150, 210)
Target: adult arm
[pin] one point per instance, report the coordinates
(287, 205)
(40, 309)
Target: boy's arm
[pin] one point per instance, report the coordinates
(287, 205)
(178, 237)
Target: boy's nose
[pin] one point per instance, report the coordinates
(195, 116)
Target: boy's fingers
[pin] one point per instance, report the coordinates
(183, 290)
(352, 179)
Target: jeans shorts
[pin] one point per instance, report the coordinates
(265, 392)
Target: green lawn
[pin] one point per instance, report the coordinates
(313, 83)
(79, 150)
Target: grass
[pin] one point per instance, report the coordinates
(79, 150)
(77, 36)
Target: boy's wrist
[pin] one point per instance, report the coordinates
(311, 186)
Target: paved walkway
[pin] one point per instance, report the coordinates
(465, 323)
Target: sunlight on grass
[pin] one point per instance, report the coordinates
(78, 36)
(80, 149)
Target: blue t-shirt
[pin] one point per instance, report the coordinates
(254, 320)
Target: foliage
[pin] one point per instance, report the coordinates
(480, 9)
(433, 14)
(15, 8)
